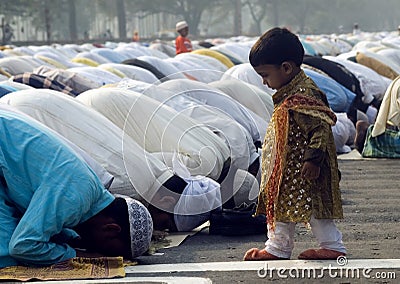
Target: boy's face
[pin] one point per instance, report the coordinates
(274, 76)
(184, 32)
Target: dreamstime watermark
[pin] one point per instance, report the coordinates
(331, 271)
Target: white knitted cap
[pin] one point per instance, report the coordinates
(141, 226)
(181, 25)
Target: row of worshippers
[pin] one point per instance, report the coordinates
(348, 88)
(351, 87)
(165, 198)
(258, 100)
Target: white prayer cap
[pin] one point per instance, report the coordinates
(141, 226)
(198, 199)
(181, 25)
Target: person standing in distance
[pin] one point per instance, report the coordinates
(182, 43)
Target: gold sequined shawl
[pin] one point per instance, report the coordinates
(293, 97)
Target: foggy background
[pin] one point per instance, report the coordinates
(93, 20)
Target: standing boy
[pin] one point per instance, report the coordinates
(300, 176)
(182, 43)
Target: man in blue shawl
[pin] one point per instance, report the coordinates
(52, 203)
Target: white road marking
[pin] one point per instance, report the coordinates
(160, 280)
(257, 265)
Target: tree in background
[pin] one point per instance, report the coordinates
(298, 19)
(188, 10)
(121, 15)
(258, 11)
(72, 20)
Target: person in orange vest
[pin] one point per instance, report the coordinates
(182, 43)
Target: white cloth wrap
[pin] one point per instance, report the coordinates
(198, 199)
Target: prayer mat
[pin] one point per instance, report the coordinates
(75, 268)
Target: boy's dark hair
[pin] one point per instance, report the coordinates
(276, 46)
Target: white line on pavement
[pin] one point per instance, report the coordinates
(155, 280)
(257, 265)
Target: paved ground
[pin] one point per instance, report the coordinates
(371, 198)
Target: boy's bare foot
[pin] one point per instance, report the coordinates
(320, 254)
(260, 254)
(361, 132)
